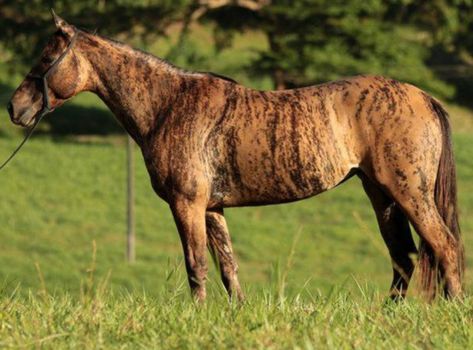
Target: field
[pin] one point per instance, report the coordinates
(338, 320)
(315, 272)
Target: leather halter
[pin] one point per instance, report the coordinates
(44, 77)
(46, 108)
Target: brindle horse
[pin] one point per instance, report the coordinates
(210, 143)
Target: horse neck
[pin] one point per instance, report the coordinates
(136, 87)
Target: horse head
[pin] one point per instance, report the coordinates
(59, 74)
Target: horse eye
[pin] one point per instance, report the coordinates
(47, 60)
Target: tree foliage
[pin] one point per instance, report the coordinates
(317, 40)
(26, 24)
(427, 43)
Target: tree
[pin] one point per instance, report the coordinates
(312, 41)
(446, 26)
(25, 25)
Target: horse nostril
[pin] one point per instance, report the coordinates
(10, 109)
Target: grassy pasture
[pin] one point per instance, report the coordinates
(99, 319)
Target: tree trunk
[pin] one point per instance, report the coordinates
(278, 79)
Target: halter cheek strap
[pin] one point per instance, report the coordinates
(44, 77)
(46, 108)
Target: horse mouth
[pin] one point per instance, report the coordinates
(26, 119)
(24, 123)
(29, 122)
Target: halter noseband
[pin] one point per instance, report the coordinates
(44, 77)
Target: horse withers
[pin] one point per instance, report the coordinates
(210, 143)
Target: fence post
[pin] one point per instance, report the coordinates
(130, 241)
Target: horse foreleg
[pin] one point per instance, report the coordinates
(394, 227)
(220, 245)
(190, 221)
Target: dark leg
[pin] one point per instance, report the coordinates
(190, 221)
(396, 233)
(220, 246)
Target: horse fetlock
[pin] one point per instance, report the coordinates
(234, 289)
(199, 293)
(453, 287)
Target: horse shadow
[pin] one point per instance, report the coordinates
(73, 119)
(6, 92)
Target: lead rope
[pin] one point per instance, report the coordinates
(28, 134)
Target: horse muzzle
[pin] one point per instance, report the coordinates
(21, 116)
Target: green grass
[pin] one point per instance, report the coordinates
(100, 319)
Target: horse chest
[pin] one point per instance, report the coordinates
(157, 172)
(170, 170)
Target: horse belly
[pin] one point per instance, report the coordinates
(258, 174)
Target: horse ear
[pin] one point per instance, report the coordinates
(61, 24)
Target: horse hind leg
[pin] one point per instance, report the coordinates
(396, 233)
(220, 246)
(415, 191)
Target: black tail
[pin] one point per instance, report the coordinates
(446, 201)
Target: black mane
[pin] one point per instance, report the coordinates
(162, 60)
(216, 75)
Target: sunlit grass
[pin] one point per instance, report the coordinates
(99, 317)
